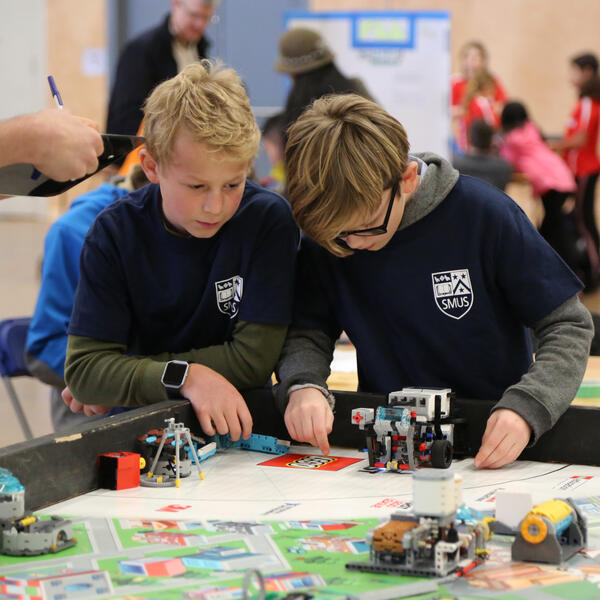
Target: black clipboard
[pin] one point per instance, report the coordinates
(24, 180)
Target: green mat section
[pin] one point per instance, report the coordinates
(589, 390)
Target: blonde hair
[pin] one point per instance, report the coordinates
(341, 154)
(481, 84)
(211, 104)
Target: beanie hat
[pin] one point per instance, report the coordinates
(302, 50)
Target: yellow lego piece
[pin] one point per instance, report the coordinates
(534, 529)
(554, 510)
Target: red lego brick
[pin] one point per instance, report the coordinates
(119, 470)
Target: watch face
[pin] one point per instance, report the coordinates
(174, 374)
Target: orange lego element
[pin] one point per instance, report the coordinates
(388, 537)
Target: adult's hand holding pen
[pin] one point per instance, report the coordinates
(63, 146)
(57, 143)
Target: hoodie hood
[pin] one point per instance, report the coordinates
(436, 183)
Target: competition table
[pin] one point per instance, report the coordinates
(57, 467)
(240, 492)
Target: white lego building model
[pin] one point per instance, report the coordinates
(430, 541)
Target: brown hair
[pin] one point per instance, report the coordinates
(341, 154)
(211, 104)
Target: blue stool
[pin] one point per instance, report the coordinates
(13, 335)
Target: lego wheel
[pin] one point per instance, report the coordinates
(441, 454)
(534, 529)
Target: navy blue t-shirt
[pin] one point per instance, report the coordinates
(154, 291)
(446, 302)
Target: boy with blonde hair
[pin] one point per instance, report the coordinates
(186, 284)
(434, 276)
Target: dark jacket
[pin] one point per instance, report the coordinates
(145, 61)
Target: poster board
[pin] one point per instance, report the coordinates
(403, 58)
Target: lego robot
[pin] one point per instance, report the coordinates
(412, 431)
(430, 541)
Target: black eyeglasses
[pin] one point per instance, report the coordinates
(374, 230)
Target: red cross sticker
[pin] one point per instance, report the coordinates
(358, 418)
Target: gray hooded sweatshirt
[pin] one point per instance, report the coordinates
(542, 394)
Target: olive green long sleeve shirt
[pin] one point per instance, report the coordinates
(99, 372)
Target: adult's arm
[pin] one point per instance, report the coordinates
(549, 386)
(57, 143)
(99, 372)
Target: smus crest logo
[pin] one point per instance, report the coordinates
(453, 292)
(229, 294)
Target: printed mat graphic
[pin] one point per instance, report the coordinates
(174, 559)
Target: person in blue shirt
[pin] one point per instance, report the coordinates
(435, 277)
(46, 344)
(186, 285)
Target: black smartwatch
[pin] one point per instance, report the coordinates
(173, 378)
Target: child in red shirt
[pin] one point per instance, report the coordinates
(579, 150)
(476, 94)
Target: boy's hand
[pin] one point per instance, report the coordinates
(505, 437)
(218, 405)
(89, 410)
(309, 418)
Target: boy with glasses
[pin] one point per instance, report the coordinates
(435, 278)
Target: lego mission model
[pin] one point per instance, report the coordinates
(431, 540)
(175, 450)
(550, 533)
(22, 534)
(170, 452)
(410, 432)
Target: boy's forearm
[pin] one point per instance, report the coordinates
(306, 358)
(552, 381)
(247, 361)
(99, 372)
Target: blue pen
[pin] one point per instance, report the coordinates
(59, 104)
(54, 91)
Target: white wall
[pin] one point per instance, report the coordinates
(22, 77)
